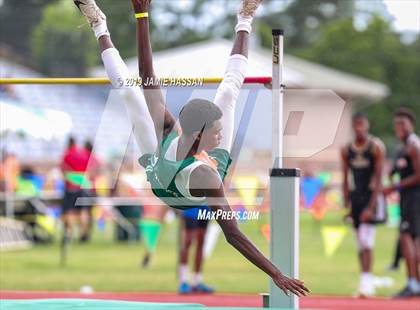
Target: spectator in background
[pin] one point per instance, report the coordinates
(93, 169)
(26, 186)
(73, 166)
(395, 264)
(364, 157)
(150, 227)
(9, 90)
(94, 163)
(9, 171)
(193, 229)
(408, 167)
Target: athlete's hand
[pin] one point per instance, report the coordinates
(141, 6)
(290, 285)
(367, 215)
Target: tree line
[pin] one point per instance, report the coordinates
(52, 37)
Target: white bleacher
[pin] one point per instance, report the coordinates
(85, 105)
(12, 235)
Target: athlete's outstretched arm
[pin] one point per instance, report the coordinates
(206, 182)
(163, 119)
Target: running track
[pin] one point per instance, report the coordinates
(233, 300)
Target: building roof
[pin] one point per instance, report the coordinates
(208, 59)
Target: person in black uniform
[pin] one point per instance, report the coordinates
(364, 157)
(408, 167)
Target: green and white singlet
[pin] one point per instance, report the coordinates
(169, 178)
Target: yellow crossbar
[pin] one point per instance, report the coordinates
(102, 81)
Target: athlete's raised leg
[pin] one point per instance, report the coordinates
(118, 73)
(228, 91)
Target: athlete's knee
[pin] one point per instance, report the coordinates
(187, 241)
(116, 68)
(364, 245)
(366, 237)
(132, 94)
(226, 96)
(187, 245)
(232, 81)
(200, 241)
(136, 103)
(236, 71)
(406, 237)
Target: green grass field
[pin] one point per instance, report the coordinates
(108, 266)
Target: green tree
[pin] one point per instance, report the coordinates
(377, 53)
(17, 18)
(302, 19)
(367, 53)
(171, 24)
(58, 46)
(121, 24)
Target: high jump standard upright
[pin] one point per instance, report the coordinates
(284, 191)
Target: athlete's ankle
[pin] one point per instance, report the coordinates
(244, 24)
(100, 29)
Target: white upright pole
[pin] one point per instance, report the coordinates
(284, 193)
(277, 89)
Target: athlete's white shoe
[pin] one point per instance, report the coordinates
(249, 7)
(366, 288)
(91, 11)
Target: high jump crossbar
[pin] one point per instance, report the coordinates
(105, 81)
